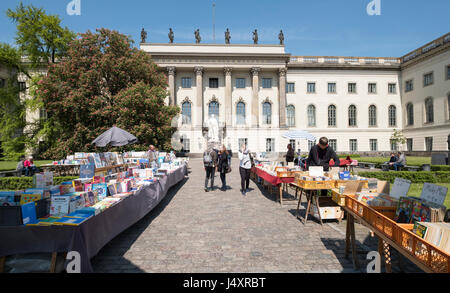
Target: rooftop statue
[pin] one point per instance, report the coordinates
(171, 36)
(198, 39)
(227, 37)
(281, 37)
(143, 35)
(255, 37)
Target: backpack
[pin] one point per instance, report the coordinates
(207, 160)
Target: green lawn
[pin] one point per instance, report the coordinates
(411, 161)
(416, 190)
(10, 165)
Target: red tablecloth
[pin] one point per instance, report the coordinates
(274, 180)
(343, 163)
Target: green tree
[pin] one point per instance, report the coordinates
(398, 138)
(40, 36)
(12, 111)
(103, 82)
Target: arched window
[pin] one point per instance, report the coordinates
(240, 113)
(448, 106)
(410, 114)
(429, 110)
(392, 116)
(332, 116)
(372, 115)
(311, 116)
(186, 112)
(214, 109)
(352, 121)
(267, 113)
(290, 111)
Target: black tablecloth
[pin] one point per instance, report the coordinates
(92, 235)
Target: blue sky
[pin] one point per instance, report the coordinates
(320, 27)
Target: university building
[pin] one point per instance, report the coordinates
(260, 92)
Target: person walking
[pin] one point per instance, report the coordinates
(245, 166)
(223, 166)
(210, 163)
(290, 155)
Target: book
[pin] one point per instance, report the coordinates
(9, 198)
(69, 221)
(60, 205)
(102, 190)
(404, 210)
(47, 221)
(89, 211)
(420, 229)
(79, 215)
(420, 212)
(27, 198)
(29, 213)
(87, 171)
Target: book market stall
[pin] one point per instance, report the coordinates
(417, 229)
(82, 215)
(275, 177)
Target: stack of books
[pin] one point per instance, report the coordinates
(437, 234)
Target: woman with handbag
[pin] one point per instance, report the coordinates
(245, 166)
(223, 167)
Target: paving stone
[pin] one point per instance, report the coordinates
(196, 232)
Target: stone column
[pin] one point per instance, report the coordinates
(255, 97)
(282, 95)
(171, 71)
(228, 97)
(200, 99)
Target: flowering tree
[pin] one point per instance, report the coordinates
(104, 82)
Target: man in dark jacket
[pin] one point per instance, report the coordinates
(321, 154)
(210, 160)
(290, 155)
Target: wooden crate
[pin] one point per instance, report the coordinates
(329, 210)
(337, 197)
(389, 212)
(316, 185)
(343, 183)
(427, 254)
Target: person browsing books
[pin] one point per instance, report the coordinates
(321, 155)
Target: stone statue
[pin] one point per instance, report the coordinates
(227, 37)
(448, 141)
(255, 37)
(198, 39)
(143, 35)
(281, 37)
(213, 129)
(171, 36)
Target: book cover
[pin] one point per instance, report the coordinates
(87, 171)
(404, 210)
(29, 213)
(70, 221)
(59, 205)
(112, 189)
(421, 212)
(8, 198)
(27, 198)
(420, 230)
(101, 189)
(79, 215)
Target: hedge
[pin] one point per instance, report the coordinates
(415, 177)
(440, 168)
(21, 183)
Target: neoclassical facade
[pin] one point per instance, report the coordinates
(259, 92)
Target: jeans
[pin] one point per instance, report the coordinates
(29, 171)
(397, 165)
(245, 178)
(210, 173)
(223, 178)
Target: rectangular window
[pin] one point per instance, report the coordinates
(267, 83)
(214, 83)
(392, 88)
(186, 82)
(409, 144)
(333, 144)
(332, 88)
(242, 141)
(372, 88)
(270, 145)
(240, 83)
(311, 87)
(394, 145)
(448, 71)
(428, 79)
(2, 83)
(22, 86)
(186, 142)
(352, 88)
(373, 145)
(409, 85)
(353, 145)
(429, 144)
(290, 87)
